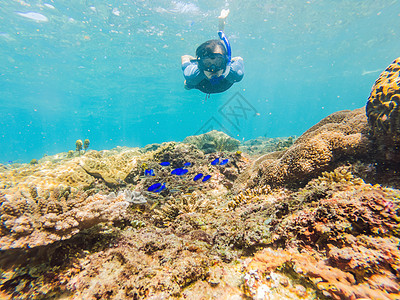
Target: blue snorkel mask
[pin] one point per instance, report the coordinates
(216, 62)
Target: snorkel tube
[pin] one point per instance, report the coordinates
(223, 37)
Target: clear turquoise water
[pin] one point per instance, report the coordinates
(110, 71)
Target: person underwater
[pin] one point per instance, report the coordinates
(213, 70)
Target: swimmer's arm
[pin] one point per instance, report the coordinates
(237, 70)
(187, 58)
(191, 71)
(223, 15)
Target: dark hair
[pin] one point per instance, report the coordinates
(210, 47)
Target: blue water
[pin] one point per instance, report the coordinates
(110, 71)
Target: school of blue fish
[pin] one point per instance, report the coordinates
(158, 187)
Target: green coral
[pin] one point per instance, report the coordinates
(79, 145)
(86, 144)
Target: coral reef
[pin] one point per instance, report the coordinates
(384, 114)
(213, 141)
(34, 219)
(338, 137)
(255, 194)
(188, 203)
(86, 227)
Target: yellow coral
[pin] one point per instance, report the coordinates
(383, 103)
(249, 195)
(339, 175)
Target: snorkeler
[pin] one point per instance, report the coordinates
(213, 70)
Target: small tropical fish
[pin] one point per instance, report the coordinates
(224, 162)
(176, 171)
(187, 164)
(206, 178)
(160, 189)
(197, 177)
(179, 171)
(215, 161)
(154, 187)
(165, 163)
(149, 172)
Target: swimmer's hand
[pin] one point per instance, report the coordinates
(222, 17)
(187, 58)
(236, 58)
(224, 14)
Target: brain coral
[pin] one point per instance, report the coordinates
(339, 136)
(213, 141)
(383, 110)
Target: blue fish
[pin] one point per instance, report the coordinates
(206, 178)
(176, 171)
(215, 161)
(187, 164)
(149, 172)
(179, 171)
(160, 189)
(224, 162)
(197, 177)
(154, 187)
(165, 163)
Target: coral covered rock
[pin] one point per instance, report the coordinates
(349, 241)
(339, 136)
(383, 111)
(113, 169)
(34, 219)
(213, 141)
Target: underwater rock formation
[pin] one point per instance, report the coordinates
(112, 168)
(31, 219)
(335, 238)
(349, 238)
(339, 136)
(383, 111)
(213, 141)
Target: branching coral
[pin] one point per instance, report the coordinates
(194, 202)
(254, 194)
(339, 175)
